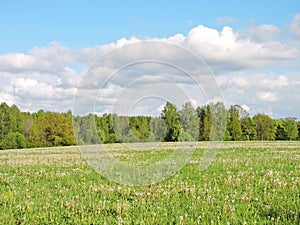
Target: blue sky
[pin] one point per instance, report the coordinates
(252, 47)
(27, 24)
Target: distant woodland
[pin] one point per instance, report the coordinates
(45, 129)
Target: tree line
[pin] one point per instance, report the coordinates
(209, 122)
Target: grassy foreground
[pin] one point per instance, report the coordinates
(248, 183)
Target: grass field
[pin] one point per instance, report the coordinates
(248, 183)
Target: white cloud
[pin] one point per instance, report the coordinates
(295, 26)
(7, 98)
(226, 50)
(245, 107)
(56, 53)
(20, 61)
(278, 82)
(264, 93)
(267, 96)
(30, 89)
(261, 33)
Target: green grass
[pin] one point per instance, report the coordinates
(248, 183)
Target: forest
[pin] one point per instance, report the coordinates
(46, 129)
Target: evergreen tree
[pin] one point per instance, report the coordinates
(205, 116)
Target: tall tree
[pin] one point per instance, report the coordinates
(139, 127)
(4, 121)
(52, 129)
(205, 116)
(280, 131)
(158, 128)
(218, 122)
(86, 130)
(291, 128)
(14, 140)
(248, 127)
(298, 126)
(190, 122)
(234, 126)
(16, 119)
(266, 127)
(172, 120)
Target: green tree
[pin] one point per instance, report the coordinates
(105, 128)
(16, 119)
(172, 120)
(52, 129)
(218, 122)
(27, 123)
(298, 126)
(266, 127)
(205, 116)
(280, 131)
(233, 125)
(291, 128)
(14, 140)
(139, 127)
(85, 129)
(4, 121)
(11, 120)
(158, 128)
(121, 127)
(190, 122)
(248, 127)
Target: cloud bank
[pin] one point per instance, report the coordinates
(257, 68)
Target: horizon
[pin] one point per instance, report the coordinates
(151, 116)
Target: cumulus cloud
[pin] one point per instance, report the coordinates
(226, 50)
(278, 82)
(267, 96)
(21, 62)
(32, 89)
(261, 33)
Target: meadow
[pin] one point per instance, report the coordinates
(247, 183)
